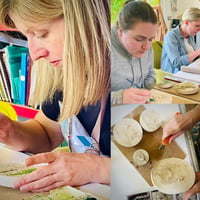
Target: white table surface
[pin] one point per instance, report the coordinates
(125, 179)
(8, 155)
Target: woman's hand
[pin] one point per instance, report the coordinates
(194, 189)
(180, 123)
(176, 126)
(64, 169)
(135, 95)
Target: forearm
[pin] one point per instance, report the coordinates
(195, 114)
(193, 55)
(103, 171)
(37, 135)
(28, 136)
(150, 82)
(180, 123)
(176, 59)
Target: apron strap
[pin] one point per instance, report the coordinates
(97, 128)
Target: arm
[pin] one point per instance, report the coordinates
(193, 55)
(36, 135)
(117, 97)
(64, 169)
(175, 49)
(129, 96)
(150, 79)
(180, 123)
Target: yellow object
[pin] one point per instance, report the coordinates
(66, 149)
(157, 50)
(160, 75)
(8, 110)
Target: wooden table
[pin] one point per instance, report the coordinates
(179, 98)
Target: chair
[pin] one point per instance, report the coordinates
(157, 49)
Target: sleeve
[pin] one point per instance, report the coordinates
(150, 79)
(198, 40)
(117, 97)
(173, 48)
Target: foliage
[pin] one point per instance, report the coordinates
(153, 2)
(116, 6)
(115, 9)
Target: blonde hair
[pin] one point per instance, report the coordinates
(191, 14)
(85, 75)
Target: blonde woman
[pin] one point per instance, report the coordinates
(69, 40)
(180, 47)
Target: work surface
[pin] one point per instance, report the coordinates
(126, 180)
(99, 190)
(178, 98)
(150, 142)
(8, 193)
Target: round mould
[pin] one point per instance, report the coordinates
(150, 120)
(160, 97)
(11, 171)
(140, 157)
(172, 176)
(165, 85)
(187, 88)
(128, 132)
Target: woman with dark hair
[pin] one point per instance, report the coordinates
(132, 72)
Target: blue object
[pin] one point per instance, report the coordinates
(83, 140)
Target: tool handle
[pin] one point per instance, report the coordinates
(166, 140)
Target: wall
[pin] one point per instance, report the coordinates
(181, 5)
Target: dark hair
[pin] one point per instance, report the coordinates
(133, 12)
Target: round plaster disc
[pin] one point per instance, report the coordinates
(165, 85)
(128, 132)
(172, 176)
(160, 97)
(140, 157)
(150, 120)
(187, 88)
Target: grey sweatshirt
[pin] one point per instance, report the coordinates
(128, 71)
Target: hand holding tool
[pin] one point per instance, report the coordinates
(166, 140)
